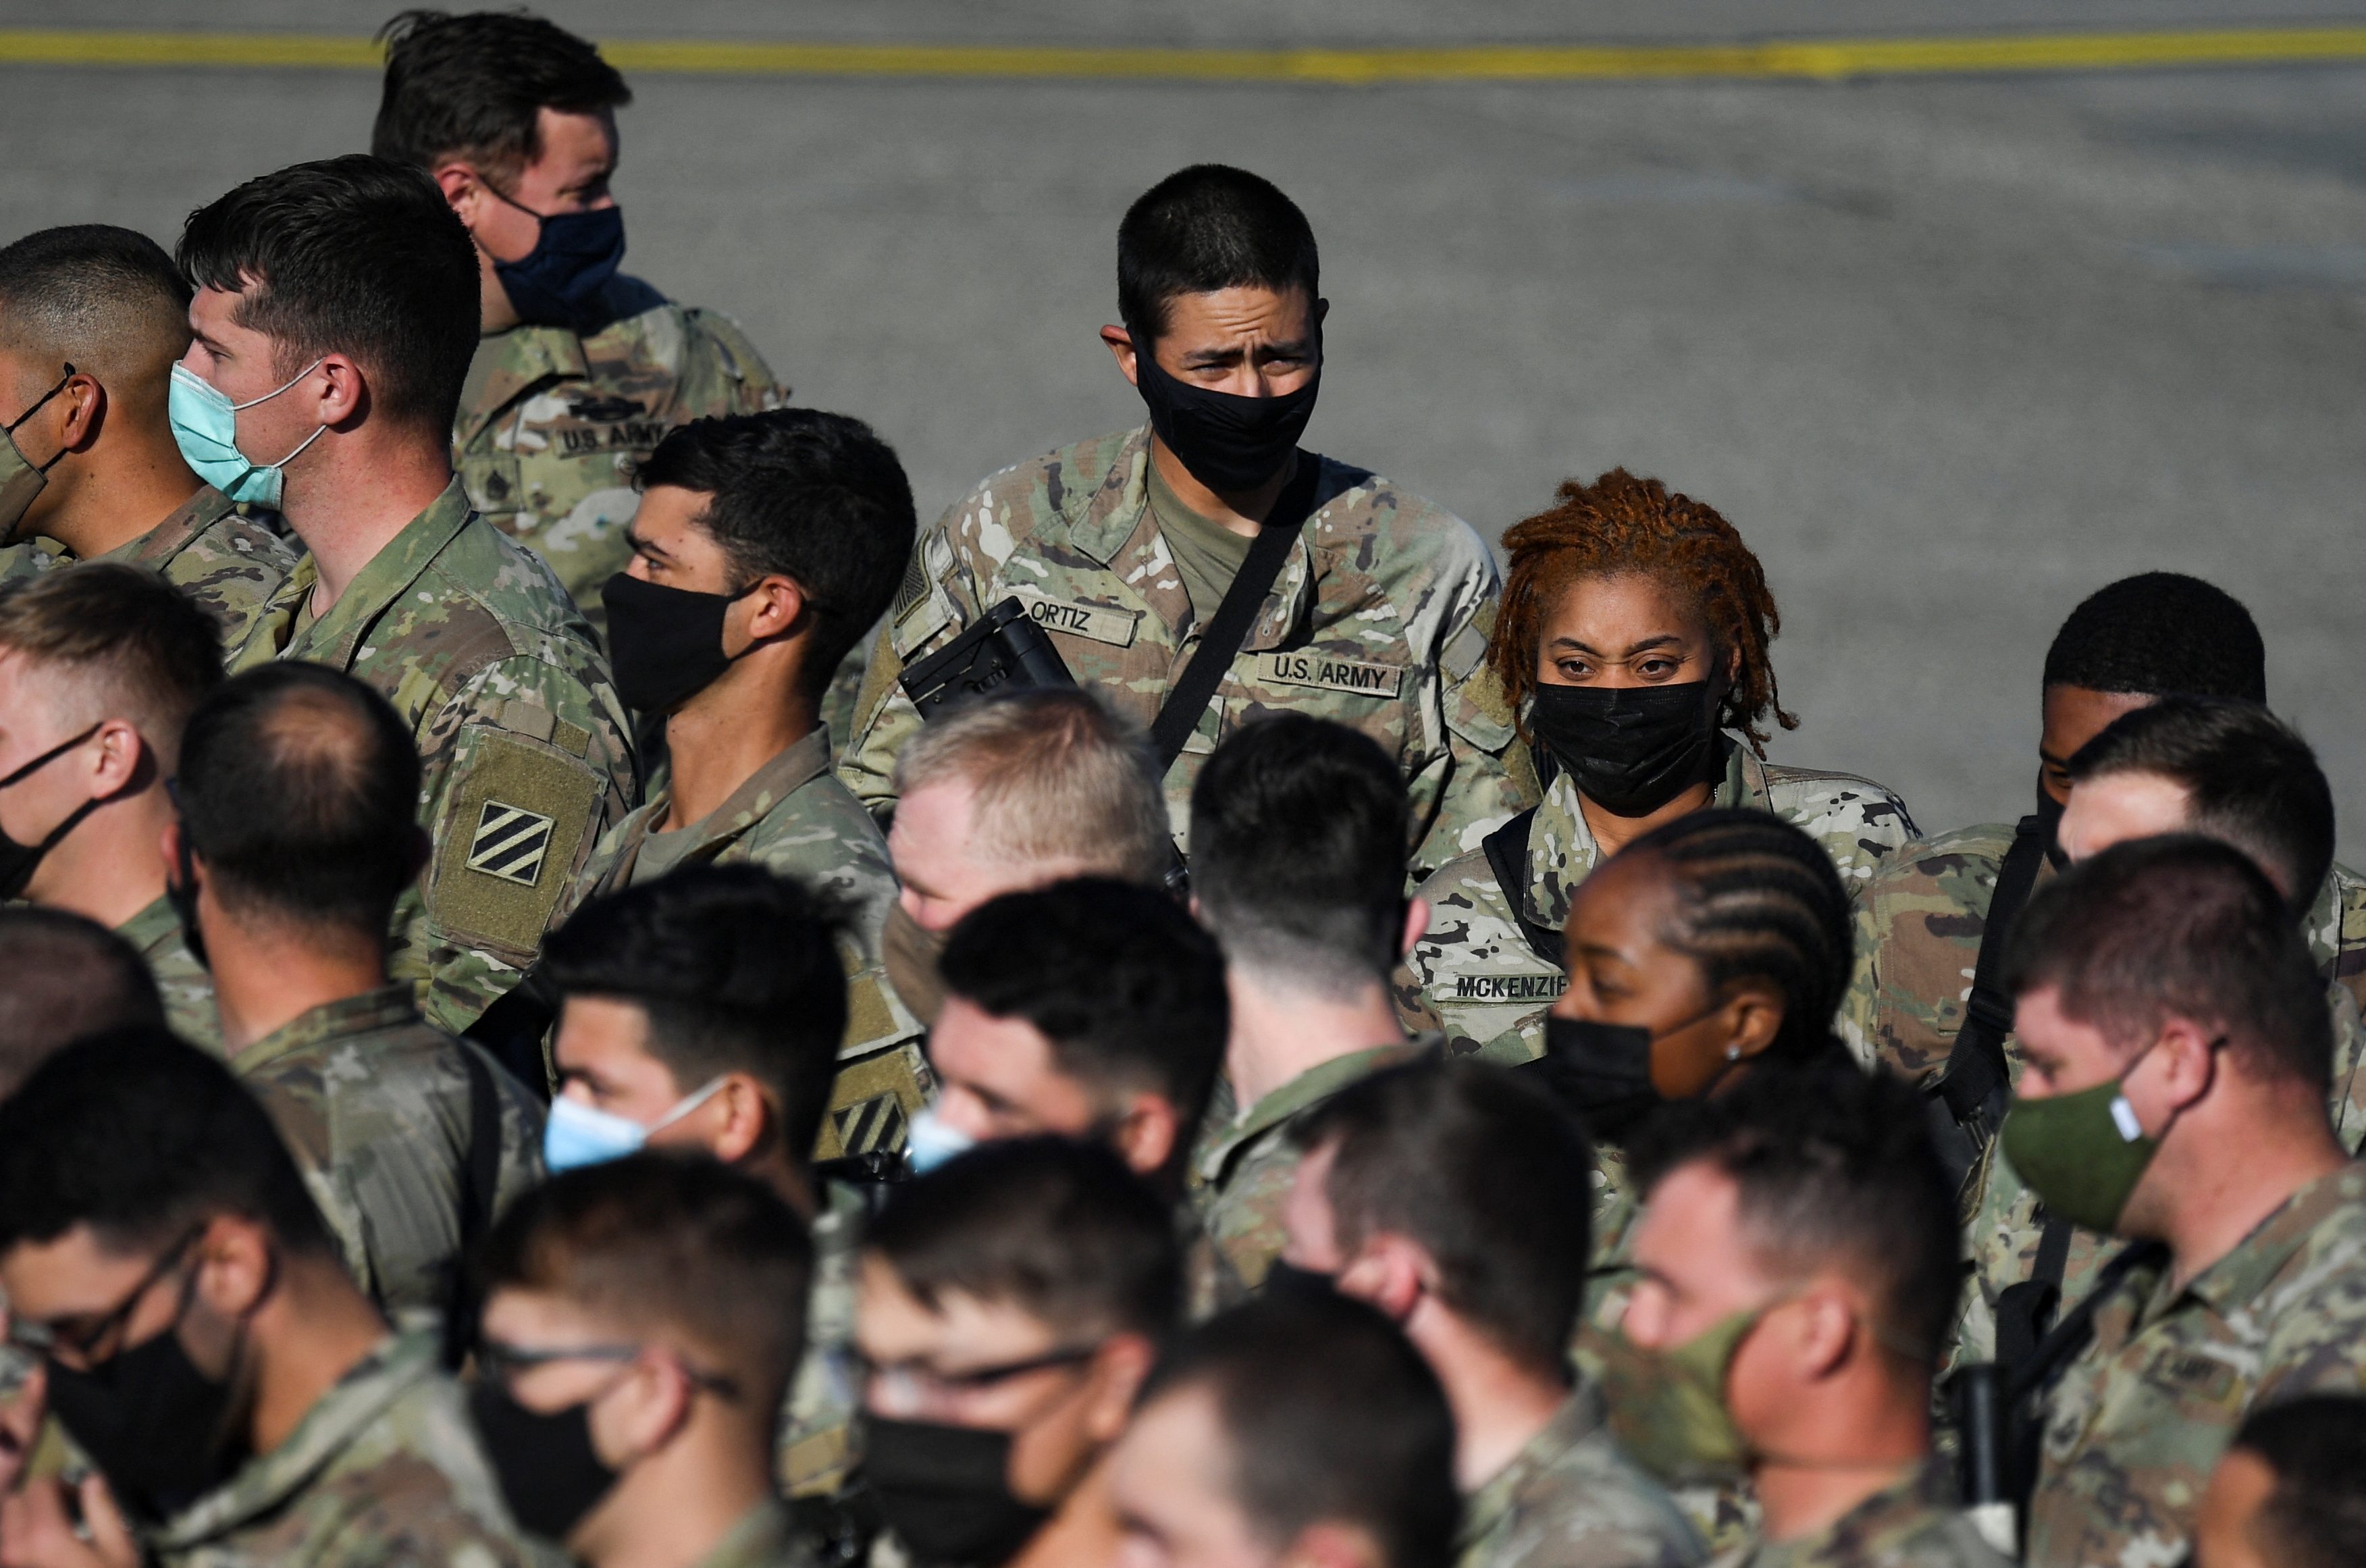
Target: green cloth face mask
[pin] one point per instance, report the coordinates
(1668, 1406)
(2082, 1153)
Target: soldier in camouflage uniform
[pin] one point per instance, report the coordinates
(582, 369)
(1913, 1522)
(688, 1270)
(1123, 546)
(792, 526)
(2254, 1288)
(411, 1141)
(211, 1253)
(92, 318)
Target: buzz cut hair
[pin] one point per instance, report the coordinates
(2315, 1446)
(472, 86)
(2157, 634)
(1207, 228)
(111, 640)
(1300, 829)
(105, 299)
(1061, 781)
(663, 1243)
(63, 978)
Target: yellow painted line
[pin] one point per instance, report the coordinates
(1826, 60)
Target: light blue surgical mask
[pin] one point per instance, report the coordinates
(205, 426)
(579, 1135)
(929, 1143)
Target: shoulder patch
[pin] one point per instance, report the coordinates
(508, 842)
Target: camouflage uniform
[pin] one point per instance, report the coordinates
(1919, 926)
(794, 818)
(1912, 1523)
(1243, 1169)
(1572, 1499)
(551, 424)
(2134, 1427)
(1474, 967)
(816, 1449)
(765, 1536)
(1373, 622)
(184, 983)
(526, 752)
(376, 1109)
(384, 1469)
(226, 558)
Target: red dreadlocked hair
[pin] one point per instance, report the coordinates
(1620, 524)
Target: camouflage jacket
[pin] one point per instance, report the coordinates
(227, 560)
(1374, 622)
(525, 751)
(2136, 1426)
(1242, 1170)
(377, 1108)
(184, 983)
(816, 1450)
(765, 1536)
(1572, 1499)
(793, 817)
(551, 422)
(1474, 967)
(1920, 923)
(383, 1471)
(1914, 1523)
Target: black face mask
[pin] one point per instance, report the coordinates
(1288, 1281)
(2049, 811)
(549, 1472)
(18, 861)
(161, 1431)
(1229, 443)
(1630, 749)
(664, 643)
(1601, 1071)
(945, 1492)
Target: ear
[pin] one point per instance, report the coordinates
(746, 1113)
(1330, 1544)
(422, 850)
(2188, 1062)
(345, 391)
(169, 841)
(235, 1266)
(777, 606)
(86, 409)
(121, 753)
(1416, 922)
(1120, 343)
(1391, 1271)
(1147, 1136)
(1824, 1338)
(641, 1414)
(1753, 1014)
(1117, 1372)
(1322, 311)
(462, 186)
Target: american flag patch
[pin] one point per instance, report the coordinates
(510, 843)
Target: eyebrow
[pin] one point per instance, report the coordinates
(1297, 348)
(643, 545)
(1662, 640)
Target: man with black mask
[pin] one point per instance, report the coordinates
(764, 547)
(1348, 597)
(1012, 1301)
(240, 1399)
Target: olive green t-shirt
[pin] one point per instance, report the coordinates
(1207, 554)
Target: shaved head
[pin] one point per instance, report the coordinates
(106, 301)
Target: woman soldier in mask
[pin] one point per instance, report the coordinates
(1630, 655)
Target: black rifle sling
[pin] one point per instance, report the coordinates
(2025, 1418)
(2026, 1311)
(1507, 857)
(481, 1176)
(1976, 1078)
(1187, 700)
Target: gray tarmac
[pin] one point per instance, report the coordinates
(1951, 353)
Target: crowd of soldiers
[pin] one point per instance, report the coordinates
(575, 984)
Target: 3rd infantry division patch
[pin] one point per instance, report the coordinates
(510, 842)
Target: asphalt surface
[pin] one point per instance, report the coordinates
(1951, 353)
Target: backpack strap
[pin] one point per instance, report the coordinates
(1507, 856)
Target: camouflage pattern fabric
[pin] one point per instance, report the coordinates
(1241, 1172)
(765, 1536)
(817, 1445)
(376, 1107)
(526, 752)
(2137, 1423)
(793, 817)
(384, 1469)
(181, 980)
(1914, 1523)
(1920, 923)
(227, 557)
(551, 422)
(1572, 1499)
(1373, 622)
(1474, 969)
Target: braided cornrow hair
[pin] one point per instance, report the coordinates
(1758, 898)
(1621, 524)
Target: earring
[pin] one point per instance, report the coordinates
(1733, 1052)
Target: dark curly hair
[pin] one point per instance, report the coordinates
(1620, 524)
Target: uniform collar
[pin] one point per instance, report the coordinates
(765, 1535)
(152, 929)
(793, 767)
(1561, 851)
(1316, 1084)
(335, 639)
(2240, 1278)
(1580, 1415)
(389, 1005)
